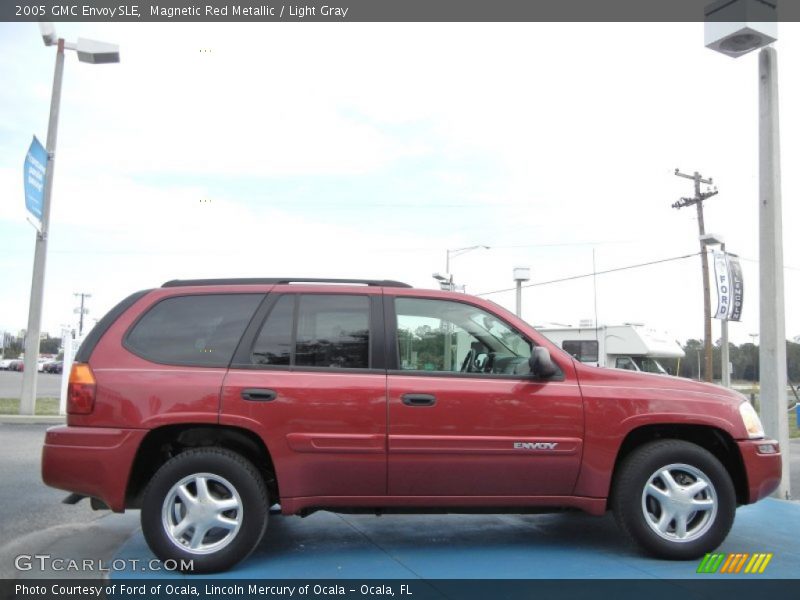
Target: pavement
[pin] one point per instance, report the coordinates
(560, 546)
(35, 521)
(48, 385)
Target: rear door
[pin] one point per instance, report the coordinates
(465, 417)
(309, 377)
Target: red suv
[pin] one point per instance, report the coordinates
(206, 402)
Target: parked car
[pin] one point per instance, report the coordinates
(16, 365)
(5, 364)
(55, 366)
(205, 402)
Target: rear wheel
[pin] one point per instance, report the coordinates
(207, 505)
(674, 499)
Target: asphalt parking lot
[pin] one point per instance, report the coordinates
(48, 385)
(34, 518)
(326, 545)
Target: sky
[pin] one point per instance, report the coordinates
(367, 150)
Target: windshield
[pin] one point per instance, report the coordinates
(649, 365)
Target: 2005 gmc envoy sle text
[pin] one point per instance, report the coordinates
(205, 402)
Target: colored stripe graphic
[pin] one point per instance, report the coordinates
(741, 563)
(734, 563)
(766, 562)
(710, 563)
(757, 564)
(731, 559)
(701, 568)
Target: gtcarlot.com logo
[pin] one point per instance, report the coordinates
(751, 564)
(45, 562)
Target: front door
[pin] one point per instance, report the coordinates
(465, 416)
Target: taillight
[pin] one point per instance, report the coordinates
(81, 390)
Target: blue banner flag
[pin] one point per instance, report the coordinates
(35, 170)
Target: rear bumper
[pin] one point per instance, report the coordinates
(762, 467)
(93, 461)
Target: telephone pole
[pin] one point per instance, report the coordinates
(699, 198)
(82, 311)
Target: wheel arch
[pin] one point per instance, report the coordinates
(162, 443)
(717, 441)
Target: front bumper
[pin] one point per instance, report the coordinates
(92, 461)
(763, 468)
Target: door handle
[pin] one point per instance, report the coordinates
(419, 399)
(259, 394)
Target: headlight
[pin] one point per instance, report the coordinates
(751, 421)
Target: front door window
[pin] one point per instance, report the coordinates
(442, 335)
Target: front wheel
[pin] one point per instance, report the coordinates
(675, 499)
(208, 506)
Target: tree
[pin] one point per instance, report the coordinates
(49, 345)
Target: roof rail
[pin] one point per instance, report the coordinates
(282, 280)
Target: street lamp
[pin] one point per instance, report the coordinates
(736, 27)
(446, 281)
(711, 239)
(89, 51)
(459, 251)
(521, 274)
(751, 24)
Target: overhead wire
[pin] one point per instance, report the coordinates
(594, 274)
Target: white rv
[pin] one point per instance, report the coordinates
(631, 346)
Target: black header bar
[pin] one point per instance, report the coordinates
(383, 10)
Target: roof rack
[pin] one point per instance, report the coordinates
(282, 280)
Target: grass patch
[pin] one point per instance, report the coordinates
(44, 406)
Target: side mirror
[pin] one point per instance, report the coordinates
(541, 364)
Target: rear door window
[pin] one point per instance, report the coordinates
(333, 331)
(316, 330)
(198, 330)
(274, 342)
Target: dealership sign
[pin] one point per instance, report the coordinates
(35, 170)
(730, 286)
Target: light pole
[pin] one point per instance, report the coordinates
(736, 28)
(521, 274)
(725, 366)
(699, 370)
(452, 253)
(459, 251)
(88, 51)
(754, 337)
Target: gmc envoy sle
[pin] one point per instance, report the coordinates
(206, 402)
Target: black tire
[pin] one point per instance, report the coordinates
(636, 513)
(225, 474)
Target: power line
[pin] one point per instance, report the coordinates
(573, 277)
(785, 267)
(563, 244)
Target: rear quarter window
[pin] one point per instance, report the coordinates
(198, 330)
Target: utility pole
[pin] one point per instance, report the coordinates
(82, 311)
(699, 198)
